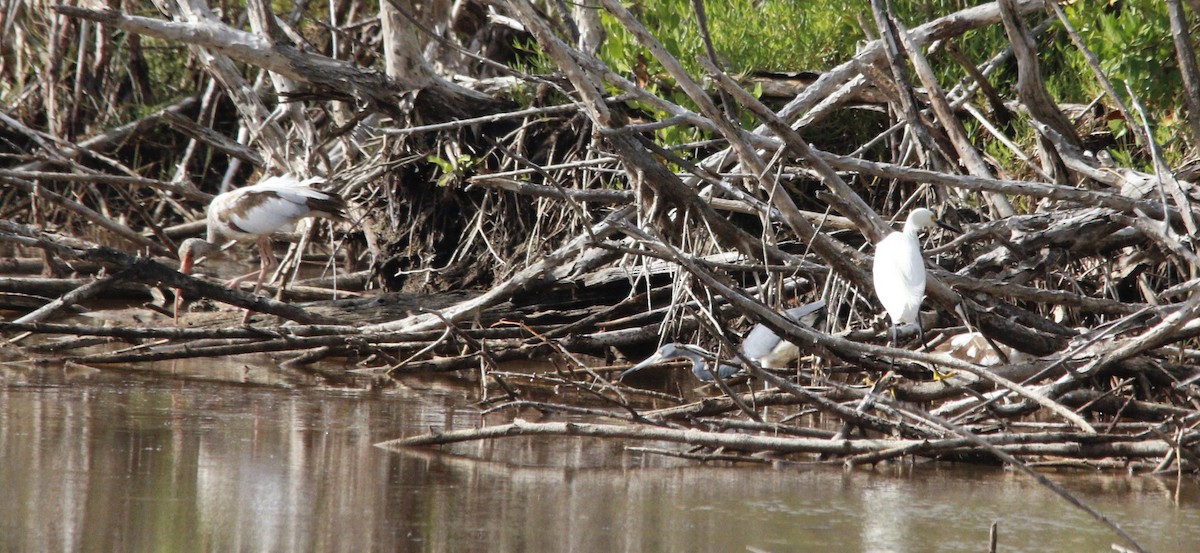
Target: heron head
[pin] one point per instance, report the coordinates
(668, 352)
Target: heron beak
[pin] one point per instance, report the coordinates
(653, 359)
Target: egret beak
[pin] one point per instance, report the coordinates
(947, 226)
(652, 360)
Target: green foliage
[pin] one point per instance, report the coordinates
(771, 35)
(457, 170)
(531, 58)
(167, 65)
(1132, 39)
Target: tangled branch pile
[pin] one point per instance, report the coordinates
(583, 233)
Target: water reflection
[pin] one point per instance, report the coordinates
(107, 461)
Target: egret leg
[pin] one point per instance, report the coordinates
(262, 271)
(245, 318)
(895, 344)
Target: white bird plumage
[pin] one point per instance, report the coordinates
(974, 347)
(254, 213)
(280, 203)
(899, 271)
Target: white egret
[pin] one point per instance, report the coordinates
(899, 271)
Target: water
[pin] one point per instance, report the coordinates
(275, 461)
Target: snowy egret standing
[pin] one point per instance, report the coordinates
(255, 213)
(899, 271)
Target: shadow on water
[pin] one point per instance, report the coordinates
(133, 461)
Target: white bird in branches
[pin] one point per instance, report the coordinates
(973, 347)
(899, 271)
(254, 213)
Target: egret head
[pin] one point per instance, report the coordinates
(921, 219)
(676, 350)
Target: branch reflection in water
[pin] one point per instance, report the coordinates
(111, 461)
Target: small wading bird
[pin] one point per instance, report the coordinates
(973, 347)
(899, 271)
(761, 345)
(254, 213)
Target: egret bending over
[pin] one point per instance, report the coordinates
(899, 271)
(255, 213)
(762, 345)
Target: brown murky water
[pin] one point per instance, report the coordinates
(136, 461)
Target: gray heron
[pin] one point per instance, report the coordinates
(761, 344)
